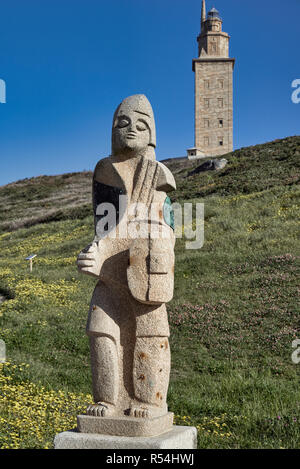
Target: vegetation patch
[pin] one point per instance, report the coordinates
(233, 318)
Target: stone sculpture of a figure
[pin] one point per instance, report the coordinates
(127, 323)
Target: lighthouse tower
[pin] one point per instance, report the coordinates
(213, 89)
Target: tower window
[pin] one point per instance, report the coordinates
(220, 122)
(221, 141)
(221, 84)
(220, 102)
(206, 103)
(206, 123)
(206, 84)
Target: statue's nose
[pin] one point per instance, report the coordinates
(132, 127)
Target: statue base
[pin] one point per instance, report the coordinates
(177, 438)
(125, 426)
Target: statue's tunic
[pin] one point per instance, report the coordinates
(128, 276)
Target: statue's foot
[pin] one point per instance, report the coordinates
(100, 409)
(139, 412)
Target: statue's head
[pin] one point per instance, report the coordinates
(133, 130)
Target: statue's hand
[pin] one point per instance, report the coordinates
(88, 261)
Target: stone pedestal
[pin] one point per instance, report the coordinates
(125, 426)
(178, 437)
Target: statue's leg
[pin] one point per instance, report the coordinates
(151, 371)
(105, 375)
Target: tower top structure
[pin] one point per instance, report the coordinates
(213, 14)
(212, 40)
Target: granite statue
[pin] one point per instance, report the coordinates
(132, 258)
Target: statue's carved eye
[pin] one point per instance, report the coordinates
(123, 122)
(141, 125)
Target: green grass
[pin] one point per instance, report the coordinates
(233, 317)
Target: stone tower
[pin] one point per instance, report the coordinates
(213, 89)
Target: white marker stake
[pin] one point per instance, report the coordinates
(29, 258)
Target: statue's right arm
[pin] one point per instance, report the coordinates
(88, 261)
(91, 259)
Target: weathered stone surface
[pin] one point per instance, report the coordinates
(125, 426)
(220, 164)
(210, 165)
(178, 438)
(132, 257)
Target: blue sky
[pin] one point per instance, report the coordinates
(68, 63)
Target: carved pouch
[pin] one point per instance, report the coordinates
(150, 272)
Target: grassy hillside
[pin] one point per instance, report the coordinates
(233, 317)
(44, 199)
(52, 198)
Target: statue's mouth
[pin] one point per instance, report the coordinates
(131, 135)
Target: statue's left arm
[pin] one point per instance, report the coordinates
(150, 272)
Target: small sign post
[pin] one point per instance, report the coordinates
(29, 258)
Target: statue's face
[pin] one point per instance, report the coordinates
(131, 132)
